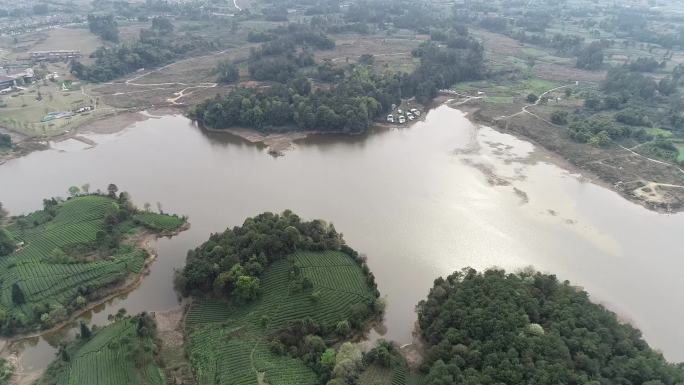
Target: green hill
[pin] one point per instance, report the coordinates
(304, 300)
(244, 333)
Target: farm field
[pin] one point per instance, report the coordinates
(243, 355)
(60, 264)
(115, 355)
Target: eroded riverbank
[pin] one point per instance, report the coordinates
(419, 201)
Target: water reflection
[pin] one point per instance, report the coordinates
(419, 202)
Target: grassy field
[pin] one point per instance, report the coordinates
(24, 111)
(158, 222)
(109, 357)
(506, 91)
(230, 344)
(57, 266)
(680, 147)
(52, 39)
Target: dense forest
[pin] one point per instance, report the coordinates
(529, 328)
(104, 26)
(357, 94)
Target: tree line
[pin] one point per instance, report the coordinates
(356, 97)
(104, 26)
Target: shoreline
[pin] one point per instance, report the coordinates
(107, 124)
(109, 294)
(277, 144)
(471, 113)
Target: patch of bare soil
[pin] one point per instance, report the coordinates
(496, 42)
(414, 352)
(113, 123)
(562, 73)
(276, 144)
(20, 376)
(172, 353)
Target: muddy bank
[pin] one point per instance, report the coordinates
(106, 124)
(635, 178)
(276, 143)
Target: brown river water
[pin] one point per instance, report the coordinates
(419, 201)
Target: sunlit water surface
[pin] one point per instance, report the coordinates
(419, 201)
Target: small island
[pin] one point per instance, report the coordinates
(275, 301)
(58, 261)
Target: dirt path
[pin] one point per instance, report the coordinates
(181, 94)
(653, 160)
(525, 110)
(536, 103)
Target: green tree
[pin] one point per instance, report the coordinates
(17, 295)
(74, 191)
(85, 331)
(7, 244)
(591, 56)
(227, 72)
(559, 117)
(247, 288)
(112, 189)
(5, 141)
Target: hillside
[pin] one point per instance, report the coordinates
(304, 301)
(121, 353)
(69, 254)
(529, 328)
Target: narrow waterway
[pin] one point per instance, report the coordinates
(419, 201)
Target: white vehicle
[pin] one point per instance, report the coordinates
(399, 112)
(402, 119)
(390, 118)
(415, 112)
(410, 116)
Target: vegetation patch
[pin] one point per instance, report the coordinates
(529, 328)
(293, 289)
(57, 259)
(122, 353)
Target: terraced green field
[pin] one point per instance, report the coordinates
(398, 374)
(159, 222)
(44, 267)
(230, 344)
(107, 359)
